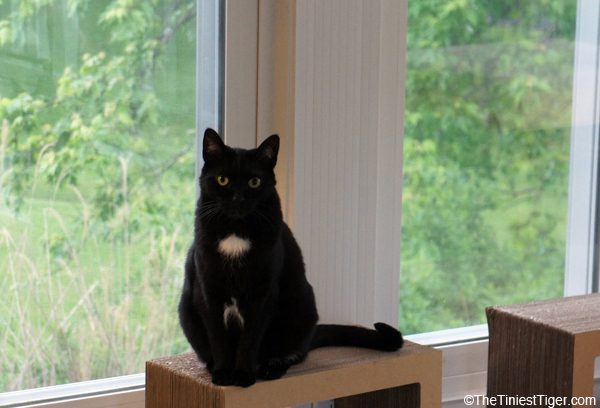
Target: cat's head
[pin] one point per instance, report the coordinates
(236, 181)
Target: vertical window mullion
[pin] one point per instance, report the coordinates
(582, 255)
(210, 32)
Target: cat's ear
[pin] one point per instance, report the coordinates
(212, 146)
(267, 151)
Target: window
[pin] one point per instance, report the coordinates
(486, 157)
(97, 108)
(335, 94)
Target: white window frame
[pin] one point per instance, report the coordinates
(581, 271)
(259, 100)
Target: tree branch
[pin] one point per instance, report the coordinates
(169, 31)
(169, 164)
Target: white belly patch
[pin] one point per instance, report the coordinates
(231, 312)
(234, 246)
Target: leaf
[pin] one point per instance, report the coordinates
(6, 35)
(113, 15)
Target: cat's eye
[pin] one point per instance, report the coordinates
(254, 182)
(222, 180)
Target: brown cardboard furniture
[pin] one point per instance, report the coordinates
(353, 377)
(546, 347)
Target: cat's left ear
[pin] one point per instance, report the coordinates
(267, 151)
(213, 147)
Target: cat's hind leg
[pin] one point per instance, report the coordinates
(194, 331)
(191, 323)
(287, 343)
(275, 367)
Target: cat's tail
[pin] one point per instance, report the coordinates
(384, 337)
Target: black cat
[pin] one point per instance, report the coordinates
(246, 306)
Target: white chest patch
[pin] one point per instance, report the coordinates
(231, 312)
(234, 246)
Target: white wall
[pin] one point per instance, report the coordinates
(349, 102)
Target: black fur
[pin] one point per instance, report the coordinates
(268, 281)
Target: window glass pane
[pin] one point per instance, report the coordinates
(96, 185)
(487, 134)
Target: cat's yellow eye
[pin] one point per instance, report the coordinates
(222, 180)
(254, 182)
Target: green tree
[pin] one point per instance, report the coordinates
(103, 115)
(96, 182)
(488, 105)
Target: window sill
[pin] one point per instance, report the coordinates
(464, 372)
(114, 392)
(464, 366)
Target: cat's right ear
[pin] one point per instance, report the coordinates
(212, 146)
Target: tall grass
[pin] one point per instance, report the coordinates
(79, 305)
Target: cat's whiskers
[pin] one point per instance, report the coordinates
(208, 210)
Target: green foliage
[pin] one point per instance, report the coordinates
(486, 157)
(102, 117)
(95, 178)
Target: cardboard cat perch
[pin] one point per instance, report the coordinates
(410, 377)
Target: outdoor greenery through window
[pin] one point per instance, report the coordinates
(487, 134)
(97, 183)
(97, 116)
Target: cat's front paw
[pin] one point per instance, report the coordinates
(273, 369)
(210, 366)
(223, 377)
(244, 378)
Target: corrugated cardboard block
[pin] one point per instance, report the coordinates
(544, 348)
(410, 377)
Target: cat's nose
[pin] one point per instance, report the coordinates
(238, 197)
